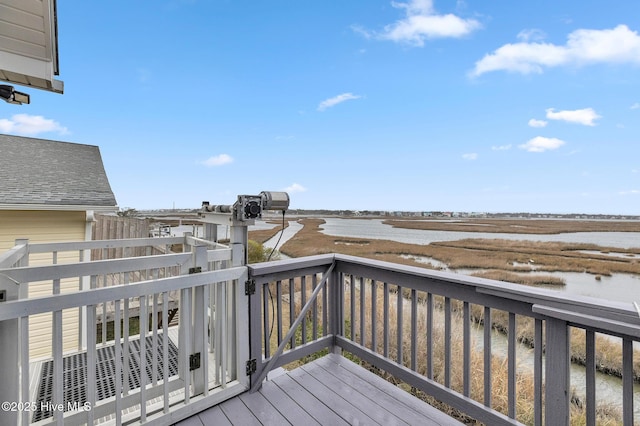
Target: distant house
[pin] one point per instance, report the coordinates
(50, 191)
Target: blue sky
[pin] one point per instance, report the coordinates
(495, 106)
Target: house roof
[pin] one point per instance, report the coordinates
(44, 174)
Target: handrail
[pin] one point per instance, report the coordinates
(607, 309)
(101, 244)
(219, 254)
(597, 323)
(25, 307)
(69, 270)
(15, 254)
(191, 240)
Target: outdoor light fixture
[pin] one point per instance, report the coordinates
(12, 96)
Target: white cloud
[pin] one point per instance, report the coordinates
(541, 144)
(630, 192)
(295, 187)
(531, 34)
(25, 124)
(618, 46)
(636, 105)
(362, 31)
(328, 103)
(420, 23)
(470, 156)
(584, 116)
(501, 147)
(537, 123)
(218, 160)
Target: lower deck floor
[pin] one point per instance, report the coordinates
(328, 391)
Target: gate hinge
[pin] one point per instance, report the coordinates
(249, 287)
(251, 366)
(195, 270)
(194, 361)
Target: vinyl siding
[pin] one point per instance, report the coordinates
(28, 44)
(24, 29)
(41, 227)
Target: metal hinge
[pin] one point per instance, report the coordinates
(194, 361)
(3, 295)
(249, 287)
(195, 270)
(251, 366)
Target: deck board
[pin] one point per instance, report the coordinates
(329, 391)
(386, 390)
(294, 413)
(213, 416)
(332, 399)
(265, 412)
(392, 402)
(300, 396)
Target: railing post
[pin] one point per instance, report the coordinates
(557, 382)
(183, 327)
(198, 320)
(9, 347)
(186, 247)
(255, 329)
(210, 232)
(336, 292)
(9, 391)
(239, 243)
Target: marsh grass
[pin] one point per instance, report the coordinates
(518, 278)
(518, 226)
(495, 255)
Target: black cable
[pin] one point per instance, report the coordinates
(279, 238)
(273, 308)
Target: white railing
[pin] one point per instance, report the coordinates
(141, 365)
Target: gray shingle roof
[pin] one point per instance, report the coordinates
(40, 171)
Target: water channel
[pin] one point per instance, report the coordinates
(620, 287)
(374, 228)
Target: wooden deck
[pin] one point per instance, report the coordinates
(329, 391)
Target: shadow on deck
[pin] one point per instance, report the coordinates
(328, 391)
